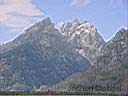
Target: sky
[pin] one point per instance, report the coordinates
(107, 15)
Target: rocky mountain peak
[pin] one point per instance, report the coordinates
(78, 27)
(84, 37)
(122, 31)
(84, 31)
(121, 35)
(32, 33)
(36, 30)
(40, 25)
(118, 43)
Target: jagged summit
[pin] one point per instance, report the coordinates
(78, 27)
(84, 31)
(84, 37)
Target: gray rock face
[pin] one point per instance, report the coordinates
(39, 56)
(110, 72)
(84, 37)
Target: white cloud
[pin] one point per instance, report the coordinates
(80, 2)
(17, 14)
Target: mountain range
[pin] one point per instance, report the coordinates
(110, 70)
(72, 58)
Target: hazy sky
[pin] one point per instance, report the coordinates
(107, 15)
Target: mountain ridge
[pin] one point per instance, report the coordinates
(84, 36)
(40, 56)
(110, 72)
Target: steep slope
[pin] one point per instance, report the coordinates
(39, 56)
(110, 72)
(84, 37)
